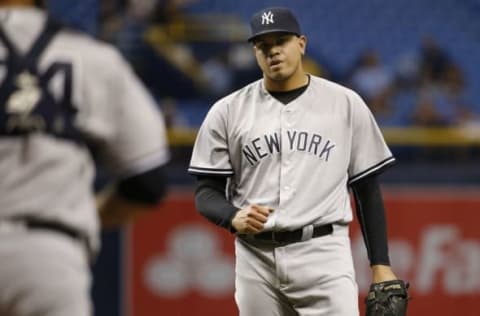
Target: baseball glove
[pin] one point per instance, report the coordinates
(389, 298)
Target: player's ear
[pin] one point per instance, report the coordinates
(302, 42)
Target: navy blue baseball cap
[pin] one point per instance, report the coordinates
(273, 19)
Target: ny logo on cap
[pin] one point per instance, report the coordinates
(267, 17)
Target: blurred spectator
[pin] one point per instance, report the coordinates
(375, 83)
(430, 63)
(243, 64)
(123, 23)
(441, 102)
(371, 78)
(154, 36)
(407, 71)
(173, 117)
(434, 62)
(140, 30)
(218, 75)
(432, 110)
(439, 86)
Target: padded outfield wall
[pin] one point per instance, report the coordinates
(176, 263)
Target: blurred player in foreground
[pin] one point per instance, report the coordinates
(66, 101)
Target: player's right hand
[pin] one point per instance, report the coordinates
(250, 220)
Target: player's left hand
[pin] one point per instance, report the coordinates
(388, 298)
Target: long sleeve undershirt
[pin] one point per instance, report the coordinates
(211, 202)
(371, 217)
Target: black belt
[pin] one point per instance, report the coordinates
(292, 236)
(50, 225)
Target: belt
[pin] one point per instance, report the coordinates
(297, 235)
(53, 226)
(33, 223)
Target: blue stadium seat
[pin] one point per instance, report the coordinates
(339, 30)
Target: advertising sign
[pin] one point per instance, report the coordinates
(180, 264)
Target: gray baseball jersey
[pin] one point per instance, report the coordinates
(61, 92)
(298, 158)
(49, 176)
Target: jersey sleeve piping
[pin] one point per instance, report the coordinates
(375, 169)
(210, 171)
(149, 161)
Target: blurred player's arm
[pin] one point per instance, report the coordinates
(118, 204)
(132, 145)
(371, 217)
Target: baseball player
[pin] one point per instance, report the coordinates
(274, 162)
(66, 99)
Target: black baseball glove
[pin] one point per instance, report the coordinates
(389, 298)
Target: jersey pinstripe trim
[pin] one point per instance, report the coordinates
(210, 171)
(374, 169)
(149, 161)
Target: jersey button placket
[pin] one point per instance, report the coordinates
(287, 122)
(286, 160)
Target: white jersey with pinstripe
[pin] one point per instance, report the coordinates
(298, 158)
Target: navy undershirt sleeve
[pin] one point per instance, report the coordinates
(148, 187)
(212, 203)
(371, 216)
